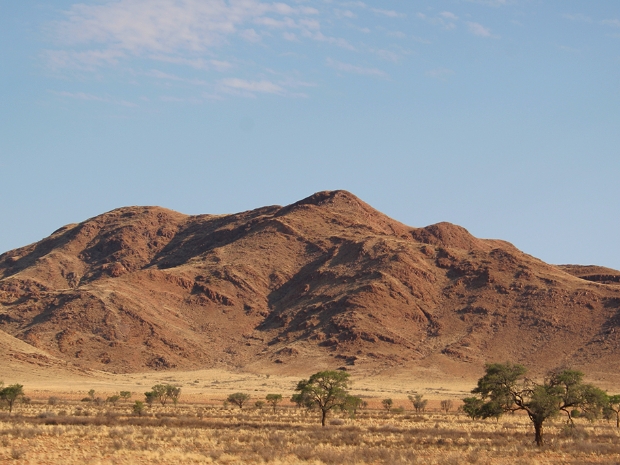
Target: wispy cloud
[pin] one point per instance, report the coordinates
(495, 3)
(129, 28)
(207, 43)
(171, 77)
(250, 88)
(388, 13)
(169, 25)
(479, 30)
(349, 68)
(577, 17)
(440, 73)
(242, 85)
(196, 63)
(92, 98)
(83, 60)
(387, 55)
(449, 16)
(449, 21)
(446, 19)
(611, 22)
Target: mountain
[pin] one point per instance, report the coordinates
(327, 281)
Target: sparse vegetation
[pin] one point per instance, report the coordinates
(198, 433)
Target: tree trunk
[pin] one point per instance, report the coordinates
(323, 416)
(538, 428)
(617, 419)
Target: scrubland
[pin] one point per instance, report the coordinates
(76, 432)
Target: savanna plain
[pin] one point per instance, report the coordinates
(59, 425)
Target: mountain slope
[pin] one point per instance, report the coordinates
(327, 280)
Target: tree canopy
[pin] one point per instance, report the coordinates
(238, 398)
(163, 393)
(10, 394)
(274, 400)
(324, 390)
(505, 388)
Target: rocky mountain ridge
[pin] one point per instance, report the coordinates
(327, 280)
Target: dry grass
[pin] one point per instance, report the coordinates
(73, 432)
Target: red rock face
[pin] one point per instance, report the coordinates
(327, 278)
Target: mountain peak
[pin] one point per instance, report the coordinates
(327, 280)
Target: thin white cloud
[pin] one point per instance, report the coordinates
(354, 5)
(83, 60)
(448, 15)
(188, 41)
(344, 14)
(171, 77)
(171, 99)
(320, 37)
(421, 40)
(397, 34)
(267, 87)
(251, 35)
(577, 17)
(349, 68)
(446, 19)
(495, 3)
(611, 22)
(395, 55)
(440, 73)
(125, 28)
(93, 98)
(479, 30)
(167, 25)
(196, 63)
(388, 13)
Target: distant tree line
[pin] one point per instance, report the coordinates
(505, 387)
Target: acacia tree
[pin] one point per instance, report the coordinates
(588, 399)
(10, 394)
(238, 398)
(612, 408)
(419, 404)
(325, 390)
(163, 393)
(504, 388)
(352, 404)
(387, 404)
(274, 400)
(446, 405)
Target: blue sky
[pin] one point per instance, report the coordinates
(499, 115)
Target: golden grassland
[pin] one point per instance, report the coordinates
(70, 431)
